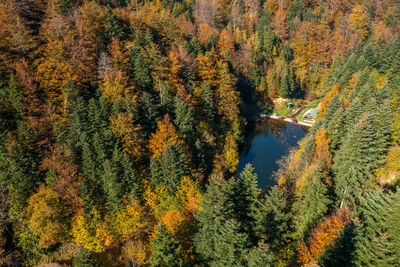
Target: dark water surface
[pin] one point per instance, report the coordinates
(266, 143)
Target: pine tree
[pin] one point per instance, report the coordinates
(218, 241)
(184, 120)
(169, 169)
(356, 160)
(246, 200)
(165, 249)
(312, 203)
(207, 100)
(378, 241)
(273, 220)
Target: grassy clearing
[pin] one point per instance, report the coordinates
(313, 104)
(283, 111)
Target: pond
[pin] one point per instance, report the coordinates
(266, 142)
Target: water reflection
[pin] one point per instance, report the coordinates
(265, 143)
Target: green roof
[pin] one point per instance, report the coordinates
(312, 112)
(290, 103)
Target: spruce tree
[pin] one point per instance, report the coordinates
(313, 203)
(378, 240)
(207, 100)
(150, 113)
(169, 169)
(273, 222)
(165, 249)
(141, 73)
(114, 28)
(336, 129)
(184, 120)
(218, 240)
(356, 160)
(333, 106)
(259, 255)
(20, 171)
(246, 201)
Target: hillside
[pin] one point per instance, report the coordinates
(121, 122)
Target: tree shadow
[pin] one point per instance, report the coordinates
(344, 248)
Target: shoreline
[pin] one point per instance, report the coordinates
(291, 120)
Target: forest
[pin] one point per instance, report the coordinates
(121, 123)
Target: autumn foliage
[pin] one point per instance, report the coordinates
(164, 136)
(322, 237)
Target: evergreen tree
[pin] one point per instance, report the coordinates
(114, 28)
(149, 111)
(313, 202)
(165, 249)
(342, 253)
(141, 73)
(207, 100)
(336, 129)
(356, 160)
(378, 240)
(20, 171)
(246, 200)
(169, 169)
(273, 222)
(218, 240)
(258, 256)
(334, 105)
(184, 120)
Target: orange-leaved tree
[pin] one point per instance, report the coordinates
(67, 182)
(207, 67)
(325, 102)
(322, 238)
(164, 136)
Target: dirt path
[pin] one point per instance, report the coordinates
(297, 112)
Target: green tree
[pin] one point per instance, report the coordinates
(207, 100)
(246, 201)
(378, 241)
(312, 204)
(169, 169)
(259, 255)
(273, 224)
(165, 249)
(141, 73)
(355, 162)
(114, 27)
(20, 170)
(184, 119)
(218, 240)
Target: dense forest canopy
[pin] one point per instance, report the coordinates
(121, 122)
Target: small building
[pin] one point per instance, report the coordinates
(289, 105)
(310, 115)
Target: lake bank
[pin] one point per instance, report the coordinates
(266, 142)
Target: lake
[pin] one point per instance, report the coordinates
(266, 142)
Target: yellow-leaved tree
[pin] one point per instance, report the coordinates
(231, 154)
(124, 128)
(92, 231)
(116, 86)
(46, 217)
